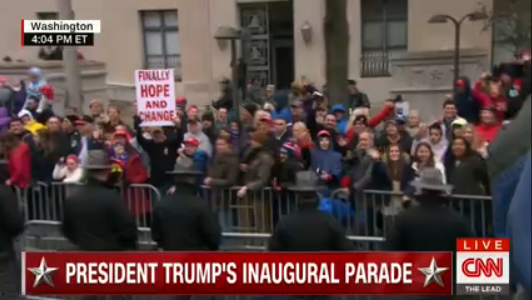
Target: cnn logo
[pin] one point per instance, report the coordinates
(479, 267)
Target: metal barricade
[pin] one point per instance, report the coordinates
(246, 221)
(478, 210)
(376, 210)
(140, 199)
(369, 213)
(43, 201)
(43, 205)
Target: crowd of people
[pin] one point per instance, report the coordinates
(277, 136)
(267, 142)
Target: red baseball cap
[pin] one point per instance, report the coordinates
(192, 107)
(460, 82)
(181, 100)
(324, 133)
(82, 120)
(192, 142)
(121, 132)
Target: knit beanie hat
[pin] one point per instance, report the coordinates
(390, 122)
(291, 149)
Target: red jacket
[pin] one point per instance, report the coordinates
(134, 171)
(488, 132)
(19, 165)
(500, 103)
(137, 199)
(373, 121)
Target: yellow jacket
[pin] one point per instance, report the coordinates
(34, 126)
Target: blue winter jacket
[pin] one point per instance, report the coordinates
(329, 161)
(341, 125)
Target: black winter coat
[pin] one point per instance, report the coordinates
(162, 155)
(184, 222)
(96, 218)
(285, 172)
(11, 222)
(309, 230)
(469, 177)
(427, 227)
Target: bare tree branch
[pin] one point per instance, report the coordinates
(511, 21)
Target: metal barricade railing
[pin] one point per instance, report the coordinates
(369, 213)
(42, 201)
(247, 222)
(43, 206)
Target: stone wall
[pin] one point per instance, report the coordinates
(425, 78)
(93, 79)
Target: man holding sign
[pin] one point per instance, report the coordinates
(156, 106)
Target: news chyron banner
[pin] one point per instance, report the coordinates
(483, 266)
(59, 32)
(161, 273)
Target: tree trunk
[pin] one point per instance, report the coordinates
(336, 32)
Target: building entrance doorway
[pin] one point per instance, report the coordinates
(270, 48)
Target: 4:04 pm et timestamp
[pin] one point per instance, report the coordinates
(58, 39)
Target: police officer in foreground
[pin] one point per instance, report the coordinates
(183, 221)
(431, 225)
(308, 229)
(11, 225)
(95, 217)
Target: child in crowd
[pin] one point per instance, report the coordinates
(68, 170)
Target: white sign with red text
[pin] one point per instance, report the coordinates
(155, 91)
(483, 266)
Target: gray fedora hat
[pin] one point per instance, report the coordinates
(431, 179)
(306, 181)
(98, 160)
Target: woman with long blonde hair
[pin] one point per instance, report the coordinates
(469, 132)
(303, 139)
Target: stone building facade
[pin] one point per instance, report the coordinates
(286, 41)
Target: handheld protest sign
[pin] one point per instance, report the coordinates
(155, 90)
